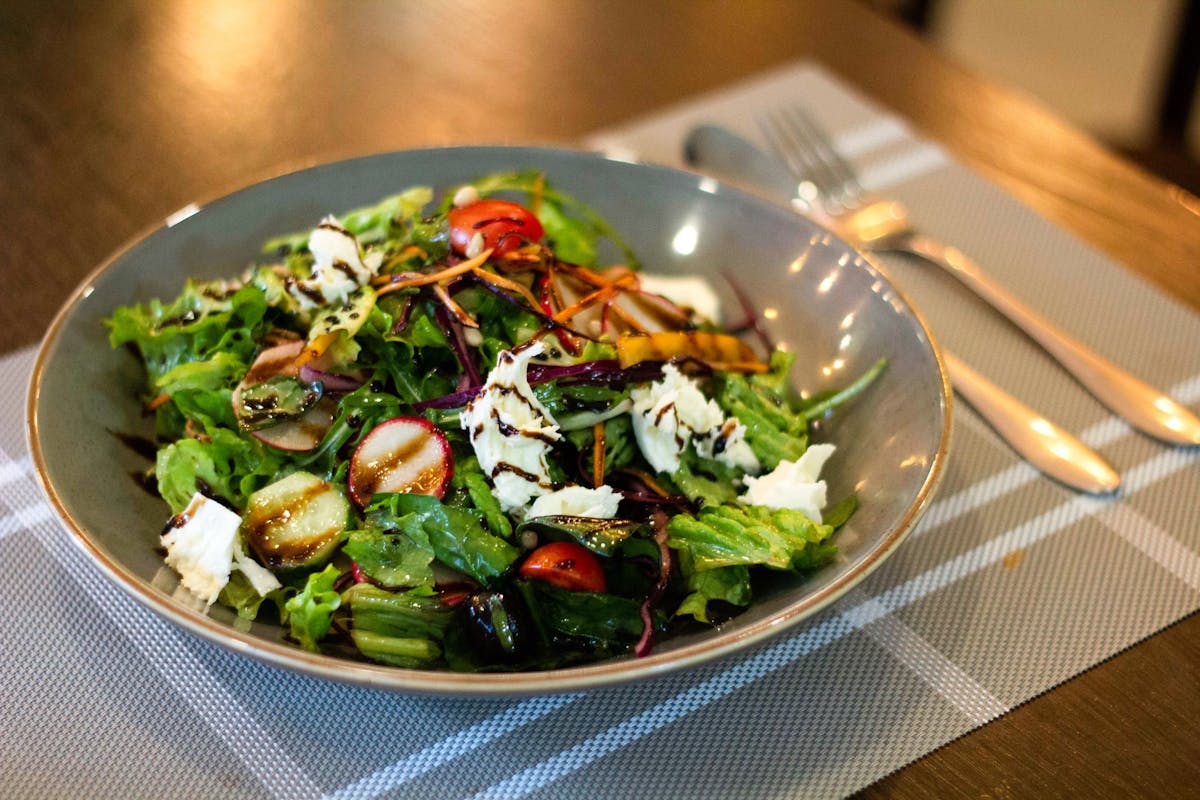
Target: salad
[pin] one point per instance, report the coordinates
(448, 433)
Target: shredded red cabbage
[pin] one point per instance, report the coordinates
(646, 641)
(453, 330)
(752, 319)
(332, 381)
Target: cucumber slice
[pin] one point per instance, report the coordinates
(296, 522)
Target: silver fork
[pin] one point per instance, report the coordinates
(829, 186)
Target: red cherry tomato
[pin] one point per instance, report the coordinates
(504, 225)
(566, 565)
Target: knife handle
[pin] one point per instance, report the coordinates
(1039, 441)
(1146, 408)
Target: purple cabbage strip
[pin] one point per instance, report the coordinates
(453, 330)
(453, 400)
(332, 381)
(404, 315)
(752, 319)
(646, 641)
(603, 370)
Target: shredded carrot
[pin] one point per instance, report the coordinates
(584, 302)
(584, 274)
(598, 454)
(505, 283)
(603, 293)
(158, 401)
(529, 254)
(645, 477)
(435, 277)
(619, 273)
(454, 308)
(408, 252)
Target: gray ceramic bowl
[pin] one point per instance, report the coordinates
(818, 295)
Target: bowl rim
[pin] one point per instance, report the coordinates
(445, 682)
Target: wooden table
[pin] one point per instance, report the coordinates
(113, 117)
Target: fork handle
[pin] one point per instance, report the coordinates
(1146, 408)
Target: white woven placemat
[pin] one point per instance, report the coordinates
(1010, 585)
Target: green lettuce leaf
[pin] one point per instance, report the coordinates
(604, 619)
(228, 466)
(193, 328)
(402, 629)
(240, 595)
(469, 479)
(774, 431)
(394, 560)
(726, 584)
(310, 613)
(458, 539)
(387, 219)
(727, 535)
(222, 370)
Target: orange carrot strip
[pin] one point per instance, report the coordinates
(598, 454)
(584, 274)
(505, 283)
(437, 277)
(158, 401)
(453, 307)
(583, 302)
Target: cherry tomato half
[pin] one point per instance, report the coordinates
(566, 565)
(504, 225)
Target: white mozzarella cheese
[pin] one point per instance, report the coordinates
(511, 431)
(338, 266)
(200, 545)
(577, 501)
(793, 484)
(672, 411)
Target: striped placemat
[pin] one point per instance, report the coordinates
(1010, 585)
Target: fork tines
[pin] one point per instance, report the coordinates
(811, 157)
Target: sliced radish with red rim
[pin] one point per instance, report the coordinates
(404, 454)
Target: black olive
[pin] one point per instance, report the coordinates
(498, 625)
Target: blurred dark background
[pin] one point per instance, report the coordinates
(1123, 70)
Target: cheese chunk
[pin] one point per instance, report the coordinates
(671, 412)
(200, 543)
(792, 484)
(577, 501)
(511, 431)
(203, 547)
(338, 267)
(261, 578)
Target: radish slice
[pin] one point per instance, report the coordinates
(295, 435)
(403, 454)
